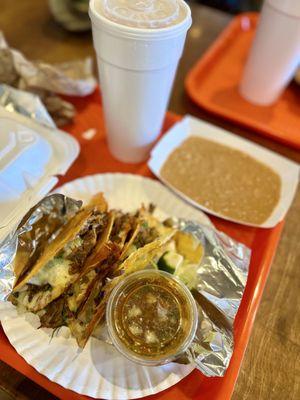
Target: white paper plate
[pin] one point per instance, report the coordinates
(99, 370)
(189, 126)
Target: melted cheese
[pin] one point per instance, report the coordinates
(79, 290)
(71, 246)
(55, 272)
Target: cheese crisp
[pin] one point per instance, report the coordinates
(224, 180)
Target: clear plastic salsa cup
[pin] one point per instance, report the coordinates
(152, 317)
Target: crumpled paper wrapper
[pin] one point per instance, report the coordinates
(73, 78)
(221, 278)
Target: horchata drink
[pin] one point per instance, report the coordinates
(138, 46)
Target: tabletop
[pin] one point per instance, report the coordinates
(271, 366)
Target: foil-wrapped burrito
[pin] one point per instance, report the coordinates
(64, 260)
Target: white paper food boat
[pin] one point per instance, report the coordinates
(189, 126)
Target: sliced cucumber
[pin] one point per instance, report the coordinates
(170, 261)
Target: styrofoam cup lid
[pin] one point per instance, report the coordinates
(143, 13)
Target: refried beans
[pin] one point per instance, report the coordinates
(224, 180)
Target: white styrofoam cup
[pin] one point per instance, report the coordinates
(137, 69)
(275, 53)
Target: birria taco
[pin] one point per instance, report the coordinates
(64, 259)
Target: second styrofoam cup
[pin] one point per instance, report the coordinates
(275, 53)
(137, 67)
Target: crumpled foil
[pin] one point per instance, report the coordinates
(74, 78)
(222, 276)
(25, 103)
(32, 236)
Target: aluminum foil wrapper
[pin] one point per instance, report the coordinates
(222, 276)
(25, 103)
(39, 226)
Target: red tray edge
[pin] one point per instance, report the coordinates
(242, 343)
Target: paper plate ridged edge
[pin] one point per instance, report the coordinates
(58, 359)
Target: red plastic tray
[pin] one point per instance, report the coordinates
(95, 158)
(213, 84)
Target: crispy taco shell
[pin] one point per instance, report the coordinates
(69, 255)
(69, 232)
(25, 265)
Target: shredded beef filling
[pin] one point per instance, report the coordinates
(93, 228)
(54, 315)
(79, 255)
(33, 289)
(122, 223)
(146, 235)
